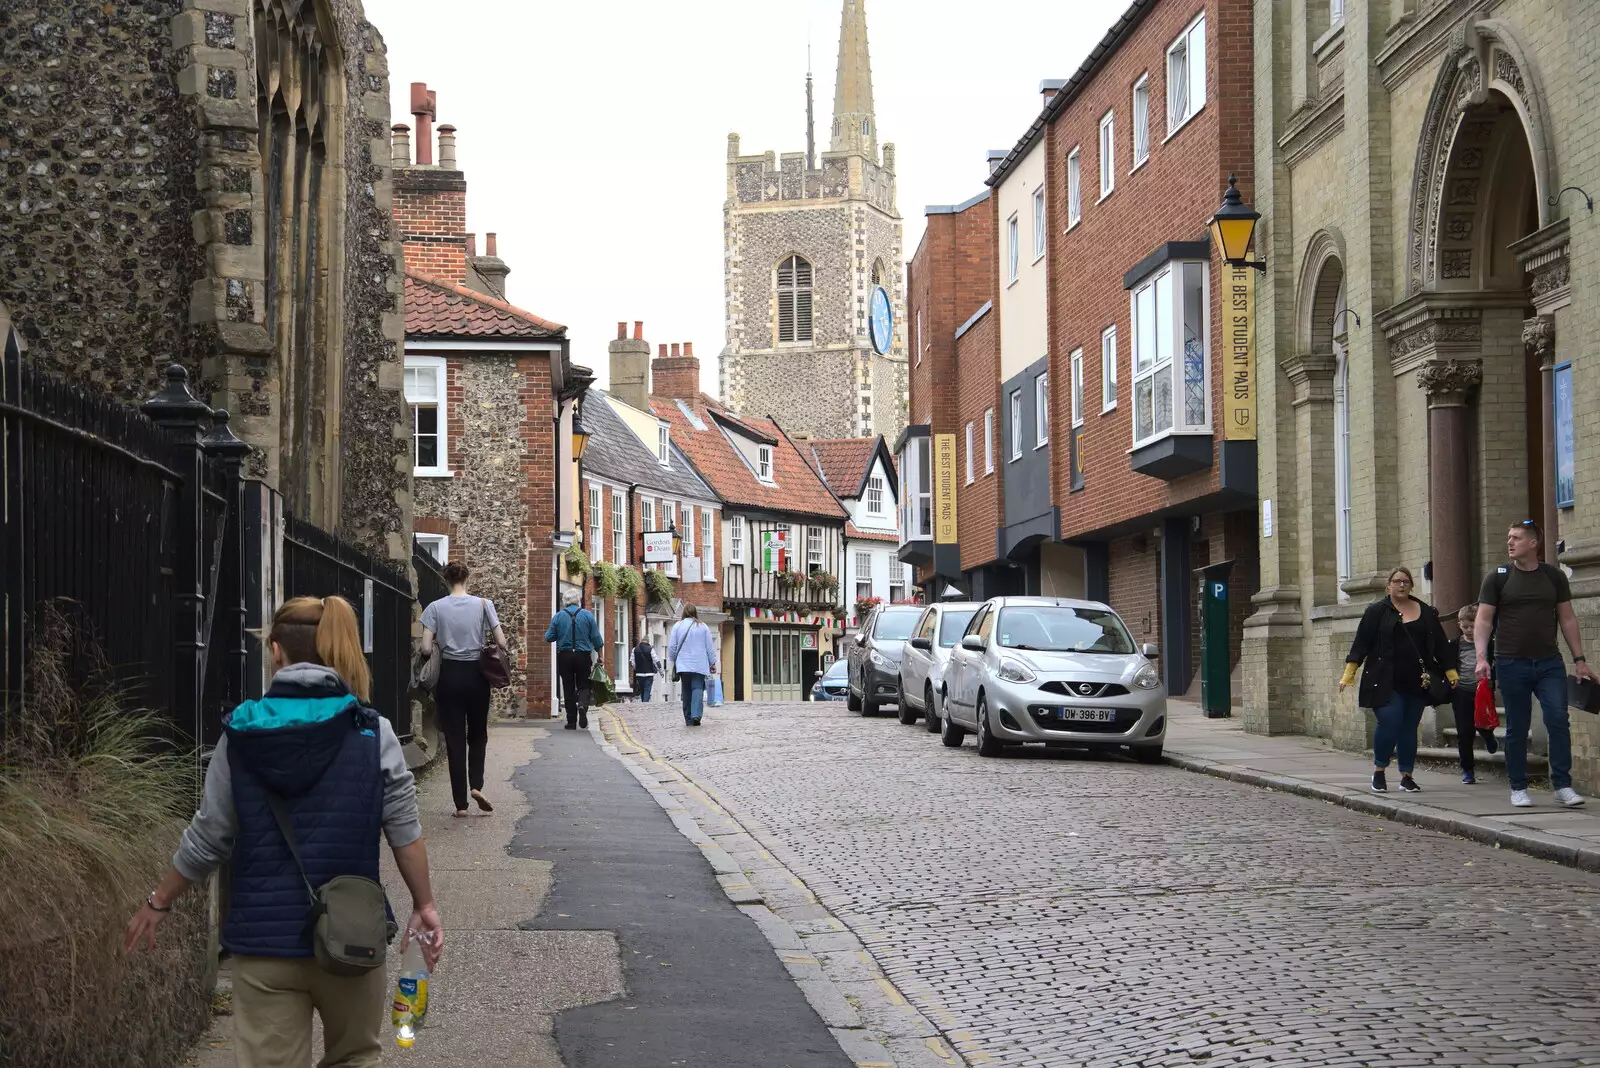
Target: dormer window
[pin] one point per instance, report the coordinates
(875, 495)
(663, 444)
(764, 462)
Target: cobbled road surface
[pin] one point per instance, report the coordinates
(1054, 908)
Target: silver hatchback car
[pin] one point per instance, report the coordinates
(1053, 670)
(923, 662)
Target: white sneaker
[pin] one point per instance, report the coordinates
(1520, 799)
(1569, 797)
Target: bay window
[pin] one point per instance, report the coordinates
(1171, 357)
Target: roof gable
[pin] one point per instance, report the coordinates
(845, 464)
(615, 452)
(437, 307)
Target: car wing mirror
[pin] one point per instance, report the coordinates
(925, 644)
(861, 639)
(1149, 650)
(973, 642)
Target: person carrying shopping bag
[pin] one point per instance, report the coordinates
(693, 653)
(299, 788)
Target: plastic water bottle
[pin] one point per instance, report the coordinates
(410, 1009)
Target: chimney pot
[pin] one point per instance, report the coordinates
(490, 247)
(661, 353)
(423, 110)
(688, 348)
(472, 245)
(400, 154)
(676, 350)
(638, 331)
(622, 331)
(447, 147)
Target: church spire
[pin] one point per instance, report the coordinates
(855, 127)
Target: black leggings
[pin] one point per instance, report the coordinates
(462, 699)
(1463, 704)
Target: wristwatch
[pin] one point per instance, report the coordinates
(1580, 660)
(151, 901)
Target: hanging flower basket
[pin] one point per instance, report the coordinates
(658, 586)
(629, 582)
(577, 563)
(865, 605)
(792, 580)
(822, 582)
(606, 582)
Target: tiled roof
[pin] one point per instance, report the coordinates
(853, 531)
(797, 489)
(615, 452)
(842, 462)
(437, 307)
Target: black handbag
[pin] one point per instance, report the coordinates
(1437, 689)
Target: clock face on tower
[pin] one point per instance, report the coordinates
(881, 321)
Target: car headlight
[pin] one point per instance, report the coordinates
(881, 660)
(1014, 671)
(1147, 678)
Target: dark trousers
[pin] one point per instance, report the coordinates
(643, 684)
(1396, 729)
(462, 700)
(1463, 702)
(572, 667)
(1520, 682)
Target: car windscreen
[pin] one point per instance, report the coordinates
(954, 625)
(896, 626)
(837, 671)
(1055, 628)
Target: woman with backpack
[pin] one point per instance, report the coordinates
(458, 623)
(693, 653)
(296, 793)
(1404, 655)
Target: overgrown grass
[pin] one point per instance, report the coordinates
(92, 798)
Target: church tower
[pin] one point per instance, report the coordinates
(806, 246)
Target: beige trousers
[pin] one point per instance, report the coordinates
(273, 999)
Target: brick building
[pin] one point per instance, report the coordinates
(782, 543)
(1426, 304)
(860, 473)
(636, 480)
(172, 194)
(806, 245)
(492, 390)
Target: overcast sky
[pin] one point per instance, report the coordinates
(594, 134)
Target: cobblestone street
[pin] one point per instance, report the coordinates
(1053, 908)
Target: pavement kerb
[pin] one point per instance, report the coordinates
(1552, 847)
(844, 1013)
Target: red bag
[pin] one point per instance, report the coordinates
(1484, 716)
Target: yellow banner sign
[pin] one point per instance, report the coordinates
(944, 489)
(1239, 355)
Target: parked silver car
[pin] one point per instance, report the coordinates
(1053, 670)
(922, 664)
(874, 656)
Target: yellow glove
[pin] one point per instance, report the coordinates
(1453, 675)
(1349, 675)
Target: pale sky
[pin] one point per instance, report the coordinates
(594, 134)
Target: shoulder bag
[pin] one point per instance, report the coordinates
(491, 661)
(349, 921)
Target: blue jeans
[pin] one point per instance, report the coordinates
(1519, 681)
(694, 695)
(645, 682)
(1398, 719)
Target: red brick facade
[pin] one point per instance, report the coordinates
(949, 278)
(430, 212)
(979, 504)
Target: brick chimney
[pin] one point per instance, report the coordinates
(430, 202)
(677, 376)
(630, 367)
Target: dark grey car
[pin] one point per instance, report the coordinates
(875, 657)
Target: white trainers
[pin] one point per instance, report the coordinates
(1520, 799)
(1569, 797)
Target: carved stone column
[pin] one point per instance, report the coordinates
(1447, 383)
(1539, 337)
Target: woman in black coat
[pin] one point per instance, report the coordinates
(1403, 647)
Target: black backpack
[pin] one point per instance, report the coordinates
(1502, 575)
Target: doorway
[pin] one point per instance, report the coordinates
(810, 669)
(775, 664)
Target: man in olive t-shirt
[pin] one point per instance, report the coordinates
(1521, 604)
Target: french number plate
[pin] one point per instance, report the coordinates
(1087, 715)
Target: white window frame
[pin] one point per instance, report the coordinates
(969, 452)
(1108, 368)
(619, 527)
(1040, 225)
(620, 623)
(898, 570)
(1016, 424)
(919, 335)
(1074, 187)
(597, 518)
(1335, 12)
(814, 554)
(736, 539)
(647, 514)
(988, 441)
(686, 527)
(1041, 410)
(439, 402)
(863, 575)
(1108, 153)
(1013, 250)
(708, 546)
(1145, 369)
(1182, 108)
(764, 463)
(663, 444)
(1141, 121)
(436, 546)
(875, 495)
(1077, 387)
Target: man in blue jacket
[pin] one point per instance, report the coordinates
(577, 636)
